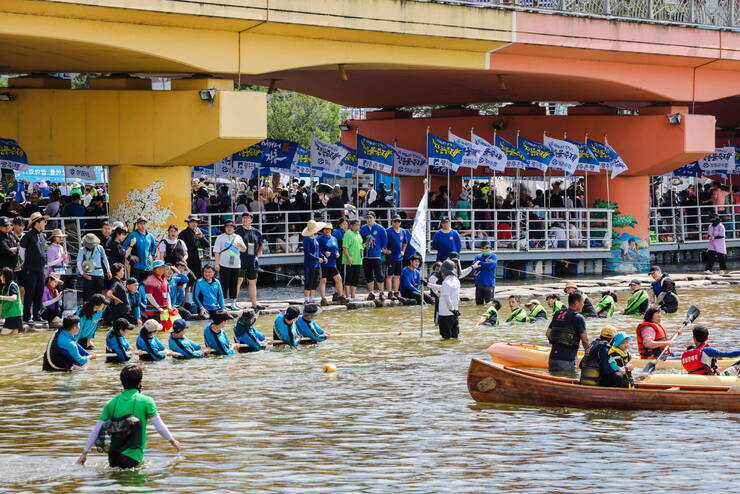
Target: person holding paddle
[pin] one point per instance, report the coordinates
(652, 336)
(702, 358)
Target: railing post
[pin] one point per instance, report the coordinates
(692, 12)
(651, 13)
(607, 7)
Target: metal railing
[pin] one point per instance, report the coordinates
(709, 13)
(686, 224)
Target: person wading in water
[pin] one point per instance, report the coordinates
(127, 446)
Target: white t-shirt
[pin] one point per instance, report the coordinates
(227, 246)
(449, 296)
(162, 248)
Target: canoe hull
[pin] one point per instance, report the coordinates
(536, 357)
(494, 383)
(689, 380)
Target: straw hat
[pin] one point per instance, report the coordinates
(312, 227)
(56, 232)
(328, 225)
(56, 277)
(36, 217)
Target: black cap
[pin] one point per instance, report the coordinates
(634, 282)
(132, 281)
(292, 312)
(220, 316)
(654, 269)
(453, 255)
(228, 223)
(444, 218)
(311, 310)
(369, 214)
(122, 323)
(4, 221)
(247, 214)
(396, 218)
(415, 257)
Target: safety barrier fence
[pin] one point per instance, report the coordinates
(686, 224)
(700, 13)
(507, 230)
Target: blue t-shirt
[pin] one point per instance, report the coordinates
(311, 253)
(152, 346)
(395, 241)
(185, 347)
(444, 243)
(145, 247)
(217, 341)
(485, 275)
(329, 244)
(378, 242)
(410, 280)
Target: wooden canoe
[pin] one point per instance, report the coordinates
(496, 383)
(515, 355)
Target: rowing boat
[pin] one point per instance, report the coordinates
(692, 380)
(496, 383)
(515, 355)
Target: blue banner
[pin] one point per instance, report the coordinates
(56, 174)
(538, 155)
(8, 183)
(249, 158)
(691, 170)
(514, 157)
(374, 155)
(586, 161)
(278, 153)
(444, 156)
(349, 162)
(302, 163)
(12, 156)
(603, 154)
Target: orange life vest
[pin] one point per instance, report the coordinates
(660, 335)
(691, 361)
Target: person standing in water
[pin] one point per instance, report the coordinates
(128, 452)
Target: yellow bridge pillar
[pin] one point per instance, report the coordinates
(150, 139)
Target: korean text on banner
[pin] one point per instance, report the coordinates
(721, 161)
(492, 156)
(514, 157)
(374, 155)
(586, 161)
(12, 156)
(565, 155)
(409, 163)
(277, 153)
(471, 158)
(349, 163)
(301, 166)
(443, 156)
(327, 157)
(81, 172)
(538, 155)
(222, 168)
(618, 165)
(419, 231)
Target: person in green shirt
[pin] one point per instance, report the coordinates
(352, 258)
(129, 452)
(518, 314)
(607, 304)
(553, 301)
(638, 302)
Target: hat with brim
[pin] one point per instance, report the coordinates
(152, 326)
(328, 226)
(312, 310)
(122, 323)
(228, 223)
(312, 227)
(158, 264)
(180, 325)
(90, 241)
(192, 217)
(56, 277)
(532, 302)
(653, 269)
(635, 282)
(141, 219)
(36, 217)
(569, 284)
(57, 232)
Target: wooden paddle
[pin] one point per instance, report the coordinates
(691, 316)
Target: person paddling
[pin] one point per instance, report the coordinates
(130, 404)
(652, 335)
(566, 331)
(63, 352)
(702, 358)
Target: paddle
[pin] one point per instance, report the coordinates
(691, 316)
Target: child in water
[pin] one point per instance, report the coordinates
(490, 315)
(116, 343)
(12, 305)
(149, 344)
(619, 363)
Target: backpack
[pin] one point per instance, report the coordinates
(119, 434)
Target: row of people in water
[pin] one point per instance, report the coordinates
(292, 327)
(534, 311)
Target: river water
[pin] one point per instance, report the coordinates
(396, 417)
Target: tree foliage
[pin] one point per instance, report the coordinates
(296, 117)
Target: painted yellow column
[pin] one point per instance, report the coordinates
(161, 193)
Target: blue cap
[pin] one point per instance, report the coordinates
(619, 338)
(158, 264)
(179, 325)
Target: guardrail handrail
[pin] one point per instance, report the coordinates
(687, 224)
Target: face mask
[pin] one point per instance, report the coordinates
(485, 252)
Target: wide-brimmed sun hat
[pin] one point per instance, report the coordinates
(312, 227)
(36, 217)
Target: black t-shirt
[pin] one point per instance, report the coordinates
(35, 255)
(252, 239)
(114, 310)
(569, 353)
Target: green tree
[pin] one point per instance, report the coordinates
(296, 117)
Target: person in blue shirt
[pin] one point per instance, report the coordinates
(246, 335)
(446, 240)
(395, 248)
(284, 327)
(177, 293)
(313, 259)
(410, 251)
(179, 344)
(153, 349)
(115, 342)
(375, 239)
(63, 352)
(214, 335)
(411, 281)
(208, 296)
(307, 327)
(90, 315)
(485, 274)
(143, 247)
(329, 247)
(73, 209)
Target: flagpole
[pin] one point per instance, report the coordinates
(586, 171)
(608, 178)
(393, 177)
(449, 191)
(544, 173)
(472, 129)
(357, 194)
(517, 184)
(494, 189)
(423, 265)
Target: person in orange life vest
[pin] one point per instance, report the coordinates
(652, 335)
(157, 291)
(701, 358)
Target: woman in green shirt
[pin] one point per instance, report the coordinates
(352, 258)
(129, 452)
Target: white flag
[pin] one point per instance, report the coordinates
(472, 151)
(566, 154)
(327, 156)
(409, 163)
(492, 156)
(721, 161)
(617, 165)
(419, 231)
(81, 172)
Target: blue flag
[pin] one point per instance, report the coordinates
(301, 166)
(538, 155)
(374, 155)
(444, 156)
(12, 156)
(514, 157)
(607, 157)
(691, 170)
(349, 162)
(278, 153)
(586, 161)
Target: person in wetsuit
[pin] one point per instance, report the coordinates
(246, 335)
(284, 327)
(307, 326)
(181, 344)
(148, 342)
(115, 342)
(214, 335)
(63, 352)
